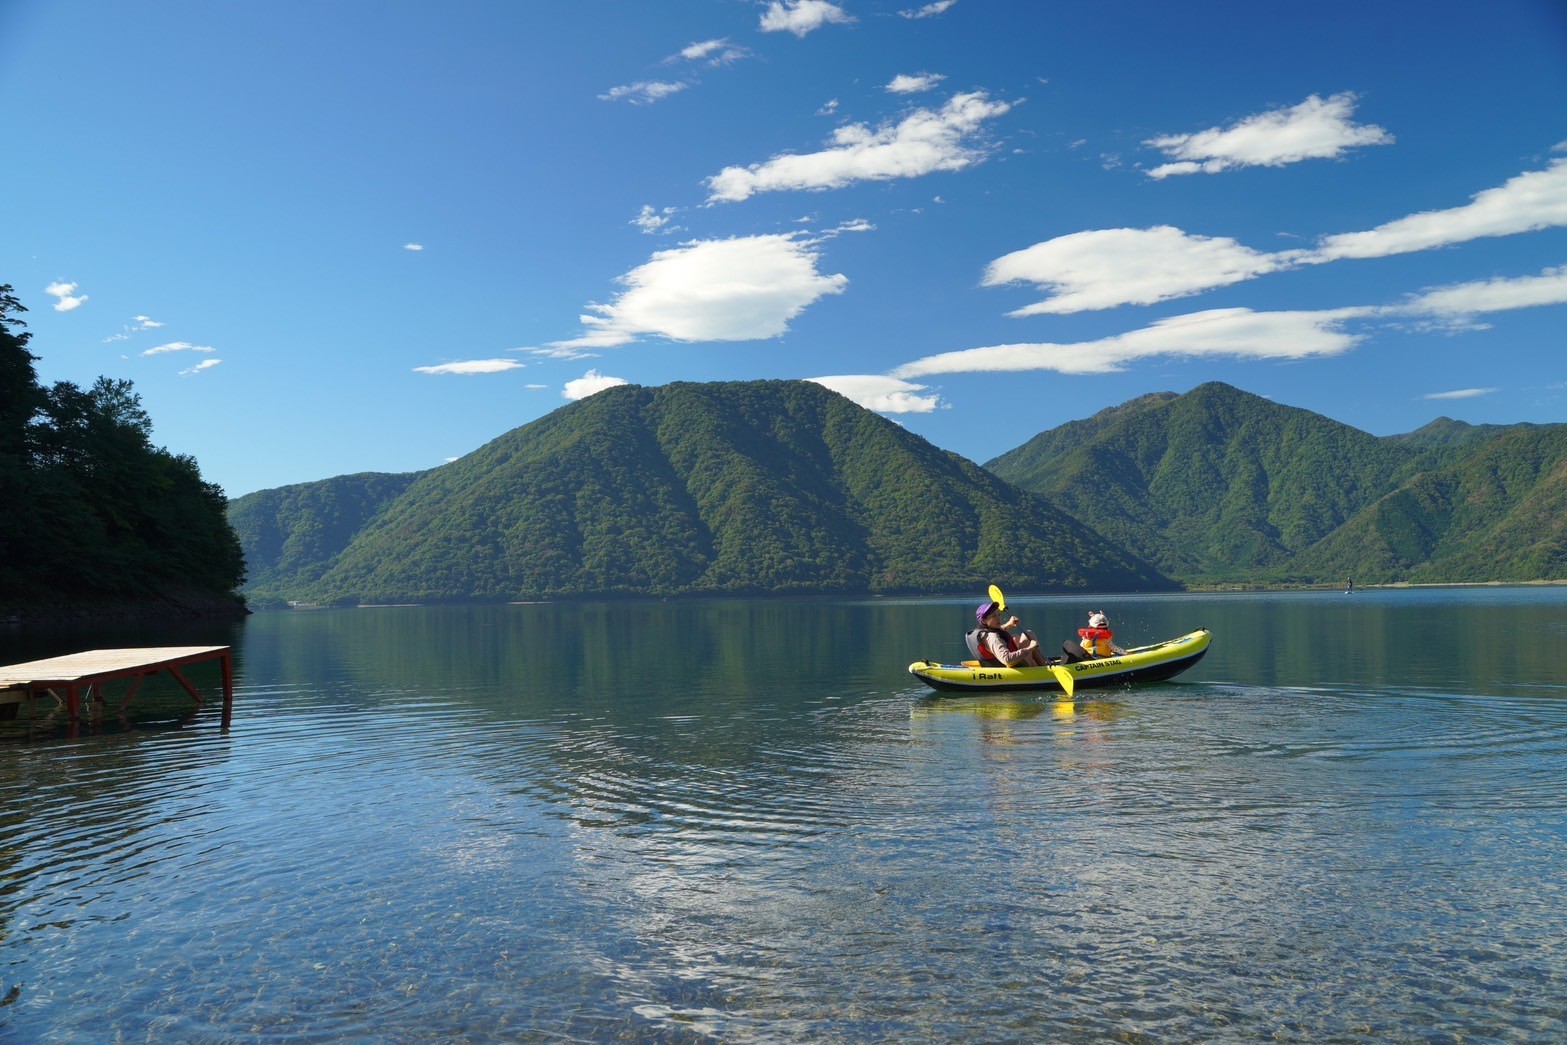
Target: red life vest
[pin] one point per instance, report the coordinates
(1096, 641)
(981, 651)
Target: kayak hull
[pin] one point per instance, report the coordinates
(1155, 663)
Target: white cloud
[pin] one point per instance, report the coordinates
(802, 16)
(413, 246)
(1243, 334)
(924, 141)
(904, 83)
(695, 52)
(852, 225)
(644, 92)
(742, 289)
(652, 220)
(205, 364)
(713, 52)
(562, 352)
(1493, 295)
(137, 324)
(177, 346)
(1104, 268)
(65, 296)
(929, 10)
(883, 394)
(471, 366)
(1237, 333)
(1461, 393)
(1529, 202)
(1317, 128)
(589, 383)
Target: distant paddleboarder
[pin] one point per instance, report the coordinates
(1349, 586)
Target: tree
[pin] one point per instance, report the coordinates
(89, 507)
(21, 401)
(20, 396)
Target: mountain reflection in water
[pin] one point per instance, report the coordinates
(744, 820)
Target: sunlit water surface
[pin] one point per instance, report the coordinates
(746, 821)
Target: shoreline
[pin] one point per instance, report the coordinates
(1389, 586)
(272, 606)
(171, 607)
(192, 606)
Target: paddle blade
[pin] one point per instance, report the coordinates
(996, 597)
(1064, 677)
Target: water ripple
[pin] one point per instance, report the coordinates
(393, 845)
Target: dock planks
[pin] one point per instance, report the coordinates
(77, 674)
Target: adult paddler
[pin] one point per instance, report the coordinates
(996, 644)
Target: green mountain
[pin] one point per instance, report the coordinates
(293, 533)
(684, 489)
(1212, 485)
(1499, 513)
(1221, 486)
(1446, 432)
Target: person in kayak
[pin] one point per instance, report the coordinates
(1096, 639)
(990, 641)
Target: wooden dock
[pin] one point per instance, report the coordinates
(77, 675)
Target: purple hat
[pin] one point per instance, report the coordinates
(985, 609)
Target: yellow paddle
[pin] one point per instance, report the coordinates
(1062, 675)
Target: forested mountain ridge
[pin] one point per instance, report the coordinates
(96, 519)
(684, 489)
(1445, 432)
(1497, 513)
(1221, 486)
(292, 533)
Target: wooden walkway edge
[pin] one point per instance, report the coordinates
(81, 674)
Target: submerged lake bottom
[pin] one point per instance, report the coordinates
(745, 821)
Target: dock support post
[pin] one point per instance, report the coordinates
(226, 663)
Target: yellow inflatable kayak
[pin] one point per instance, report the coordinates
(1162, 660)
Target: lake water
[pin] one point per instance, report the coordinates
(744, 821)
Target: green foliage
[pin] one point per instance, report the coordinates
(322, 518)
(724, 488)
(93, 509)
(21, 402)
(778, 486)
(1445, 433)
(1219, 486)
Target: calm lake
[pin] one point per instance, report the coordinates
(744, 821)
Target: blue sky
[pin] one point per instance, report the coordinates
(324, 238)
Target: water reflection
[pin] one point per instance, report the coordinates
(980, 707)
(744, 820)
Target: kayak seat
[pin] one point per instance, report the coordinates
(1073, 652)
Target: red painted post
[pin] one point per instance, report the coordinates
(227, 665)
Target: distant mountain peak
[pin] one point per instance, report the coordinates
(737, 487)
(1221, 485)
